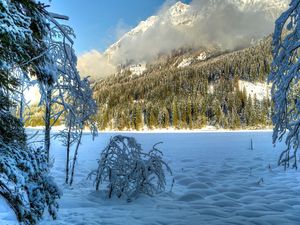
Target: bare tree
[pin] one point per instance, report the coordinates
(86, 109)
(61, 67)
(80, 108)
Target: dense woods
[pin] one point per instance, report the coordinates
(203, 93)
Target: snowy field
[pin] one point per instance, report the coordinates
(218, 180)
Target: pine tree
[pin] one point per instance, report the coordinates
(235, 123)
(104, 118)
(217, 111)
(249, 112)
(166, 118)
(152, 118)
(138, 117)
(189, 112)
(183, 116)
(256, 111)
(175, 122)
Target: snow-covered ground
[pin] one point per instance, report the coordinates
(185, 62)
(260, 90)
(218, 180)
(138, 69)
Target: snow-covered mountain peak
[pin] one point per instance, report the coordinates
(175, 14)
(172, 28)
(143, 26)
(178, 9)
(178, 14)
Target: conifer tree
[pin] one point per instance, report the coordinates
(166, 118)
(249, 112)
(175, 122)
(138, 118)
(190, 121)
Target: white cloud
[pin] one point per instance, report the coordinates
(94, 64)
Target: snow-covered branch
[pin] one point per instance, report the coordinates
(285, 77)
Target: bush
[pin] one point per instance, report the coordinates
(128, 171)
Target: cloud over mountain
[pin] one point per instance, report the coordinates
(228, 24)
(94, 64)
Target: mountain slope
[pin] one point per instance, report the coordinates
(205, 92)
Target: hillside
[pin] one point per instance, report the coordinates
(204, 91)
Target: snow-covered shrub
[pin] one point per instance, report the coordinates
(128, 171)
(24, 179)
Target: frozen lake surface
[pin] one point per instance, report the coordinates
(218, 180)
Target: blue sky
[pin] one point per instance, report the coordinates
(97, 23)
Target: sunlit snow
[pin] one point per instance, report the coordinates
(218, 180)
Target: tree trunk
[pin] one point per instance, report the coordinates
(22, 101)
(48, 123)
(75, 158)
(68, 152)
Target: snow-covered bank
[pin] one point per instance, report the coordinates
(218, 180)
(175, 131)
(206, 129)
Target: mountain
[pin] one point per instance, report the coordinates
(222, 23)
(176, 15)
(189, 90)
(190, 66)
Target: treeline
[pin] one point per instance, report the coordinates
(204, 93)
(34, 116)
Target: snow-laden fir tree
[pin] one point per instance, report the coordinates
(285, 76)
(24, 177)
